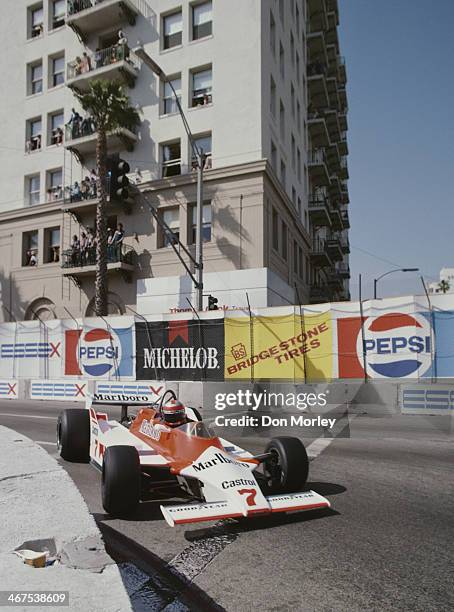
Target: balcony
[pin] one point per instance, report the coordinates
(81, 140)
(318, 19)
(334, 249)
(335, 189)
(86, 17)
(331, 34)
(344, 195)
(342, 96)
(345, 217)
(317, 167)
(117, 63)
(332, 123)
(77, 264)
(316, 85)
(316, 46)
(343, 124)
(342, 144)
(319, 294)
(343, 172)
(342, 70)
(333, 158)
(343, 269)
(345, 245)
(334, 280)
(319, 213)
(336, 219)
(319, 255)
(318, 131)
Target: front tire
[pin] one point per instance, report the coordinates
(73, 435)
(120, 480)
(288, 468)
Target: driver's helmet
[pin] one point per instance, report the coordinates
(174, 412)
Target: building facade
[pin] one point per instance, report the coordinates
(262, 84)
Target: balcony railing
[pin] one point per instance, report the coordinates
(316, 69)
(77, 258)
(91, 62)
(77, 129)
(316, 156)
(78, 6)
(84, 190)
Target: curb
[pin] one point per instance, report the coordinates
(41, 502)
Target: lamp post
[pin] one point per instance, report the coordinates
(200, 160)
(391, 272)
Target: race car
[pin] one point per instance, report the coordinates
(167, 445)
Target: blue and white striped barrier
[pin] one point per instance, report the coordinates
(69, 390)
(153, 389)
(9, 389)
(427, 399)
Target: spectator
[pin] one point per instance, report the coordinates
(50, 195)
(85, 188)
(75, 123)
(75, 192)
(83, 248)
(110, 246)
(98, 58)
(93, 187)
(75, 250)
(118, 235)
(32, 261)
(85, 62)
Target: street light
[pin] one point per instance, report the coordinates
(391, 272)
(199, 156)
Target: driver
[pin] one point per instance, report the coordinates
(174, 413)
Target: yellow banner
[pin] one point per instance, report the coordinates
(277, 348)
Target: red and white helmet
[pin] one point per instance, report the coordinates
(174, 412)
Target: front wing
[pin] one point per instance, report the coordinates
(287, 502)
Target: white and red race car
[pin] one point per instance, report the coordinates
(142, 453)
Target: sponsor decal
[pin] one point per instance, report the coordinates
(67, 390)
(250, 495)
(153, 430)
(99, 352)
(180, 350)
(218, 459)
(30, 350)
(230, 484)
(122, 398)
(287, 347)
(396, 345)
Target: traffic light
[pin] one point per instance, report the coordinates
(119, 183)
(212, 303)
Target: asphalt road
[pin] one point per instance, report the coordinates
(385, 545)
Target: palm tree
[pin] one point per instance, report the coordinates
(109, 107)
(443, 285)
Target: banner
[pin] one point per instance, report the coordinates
(180, 350)
(71, 391)
(289, 347)
(9, 389)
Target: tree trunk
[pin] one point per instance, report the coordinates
(101, 283)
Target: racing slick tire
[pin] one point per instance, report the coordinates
(73, 435)
(120, 480)
(288, 469)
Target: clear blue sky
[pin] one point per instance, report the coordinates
(400, 68)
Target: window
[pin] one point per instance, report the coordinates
(36, 21)
(171, 159)
(300, 263)
(298, 164)
(202, 87)
(281, 60)
(298, 116)
(172, 29)
(35, 84)
(206, 223)
(292, 99)
(58, 14)
(171, 217)
(34, 135)
(283, 173)
(294, 196)
(272, 34)
(273, 156)
(169, 102)
(30, 248)
(284, 234)
(297, 20)
(203, 143)
(275, 230)
(299, 205)
(282, 119)
(201, 20)
(33, 187)
(52, 245)
(292, 49)
(281, 11)
(293, 153)
(57, 71)
(272, 97)
(56, 125)
(295, 257)
(298, 68)
(54, 185)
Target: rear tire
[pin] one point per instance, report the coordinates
(73, 435)
(121, 480)
(288, 469)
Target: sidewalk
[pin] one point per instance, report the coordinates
(38, 500)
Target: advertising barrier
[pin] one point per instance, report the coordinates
(393, 339)
(9, 389)
(69, 390)
(424, 399)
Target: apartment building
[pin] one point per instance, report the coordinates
(262, 84)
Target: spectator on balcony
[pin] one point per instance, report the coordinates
(85, 63)
(75, 122)
(90, 240)
(31, 258)
(98, 58)
(75, 192)
(57, 136)
(87, 126)
(93, 185)
(110, 249)
(78, 66)
(119, 234)
(75, 250)
(85, 188)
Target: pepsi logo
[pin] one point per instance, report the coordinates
(396, 345)
(98, 351)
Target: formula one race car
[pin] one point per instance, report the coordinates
(167, 444)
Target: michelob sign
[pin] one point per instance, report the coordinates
(290, 347)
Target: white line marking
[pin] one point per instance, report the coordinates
(45, 443)
(26, 416)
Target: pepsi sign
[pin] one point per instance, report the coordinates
(99, 352)
(393, 345)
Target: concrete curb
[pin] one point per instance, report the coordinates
(39, 501)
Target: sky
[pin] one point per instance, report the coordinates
(400, 67)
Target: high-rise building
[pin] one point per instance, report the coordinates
(262, 84)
